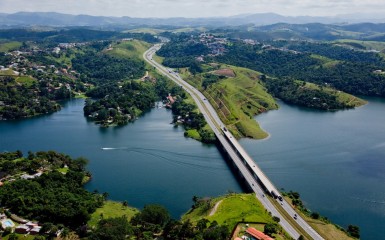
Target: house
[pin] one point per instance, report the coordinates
(22, 229)
(27, 176)
(56, 50)
(35, 230)
(258, 234)
(29, 227)
(18, 219)
(170, 99)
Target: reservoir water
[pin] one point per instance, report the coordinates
(335, 160)
(148, 161)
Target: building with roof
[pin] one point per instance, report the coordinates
(258, 234)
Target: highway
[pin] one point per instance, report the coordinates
(244, 163)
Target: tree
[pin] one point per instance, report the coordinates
(13, 236)
(154, 214)
(314, 215)
(112, 229)
(105, 195)
(276, 219)
(19, 153)
(202, 224)
(216, 232)
(354, 231)
(7, 231)
(125, 203)
(270, 229)
(301, 237)
(102, 115)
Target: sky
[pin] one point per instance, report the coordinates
(197, 8)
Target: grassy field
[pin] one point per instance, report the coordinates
(20, 237)
(63, 59)
(232, 209)
(326, 62)
(112, 209)
(26, 80)
(193, 133)
(369, 45)
(153, 31)
(8, 72)
(158, 59)
(9, 46)
(237, 100)
(130, 49)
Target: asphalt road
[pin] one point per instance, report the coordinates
(216, 124)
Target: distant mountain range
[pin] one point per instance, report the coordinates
(60, 20)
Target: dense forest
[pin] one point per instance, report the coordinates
(57, 200)
(119, 104)
(52, 197)
(286, 66)
(54, 37)
(296, 92)
(350, 74)
(182, 52)
(100, 68)
(36, 76)
(20, 101)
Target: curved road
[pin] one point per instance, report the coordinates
(216, 124)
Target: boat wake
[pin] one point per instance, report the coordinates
(107, 148)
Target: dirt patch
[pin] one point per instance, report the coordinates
(215, 208)
(225, 72)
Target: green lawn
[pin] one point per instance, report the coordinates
(233, 209)
(9, 46)
(63, 59)
(8, 72)
(26, 80)
(63, 170)
(130, 49)
(326, 62)
(193, 133)
(112, 209)
(21, 237)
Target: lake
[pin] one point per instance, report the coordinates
(335, 160)
(148, 161)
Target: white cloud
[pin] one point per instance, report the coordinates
(194, 8)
